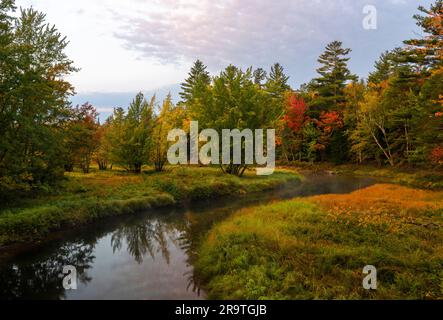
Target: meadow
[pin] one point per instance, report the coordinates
(316, 248)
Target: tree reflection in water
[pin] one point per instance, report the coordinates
(156, 235)
(151, 236)
(43, 279)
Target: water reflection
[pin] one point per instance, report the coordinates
(145, 256)
(43, 279)
(148, 237)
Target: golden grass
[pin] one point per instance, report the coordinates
(383, 204)
(315, 248)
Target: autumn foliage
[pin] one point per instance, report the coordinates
(386, 205)
(329, 123)
(437, 155)
(296, 116)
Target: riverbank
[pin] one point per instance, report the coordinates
(83, 199)
(316, 248)
(423, 178)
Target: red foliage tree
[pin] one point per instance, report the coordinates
(329, 122)
(296, 117)
(437, 155)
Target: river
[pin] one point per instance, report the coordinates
(143, 256)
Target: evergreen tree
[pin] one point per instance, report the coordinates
(196, 82)
(260, 76)
(277, 81)
(334, 75)
(385, 67)
(429, 130)
(427, 52)
(275, 91)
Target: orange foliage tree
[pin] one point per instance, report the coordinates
(290, 138)
(328, 124)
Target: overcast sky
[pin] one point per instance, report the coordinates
(149, 45)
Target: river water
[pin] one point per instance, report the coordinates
(143, 256)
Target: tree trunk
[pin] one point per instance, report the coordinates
(387, 153)
(137, 168)
(407, 141)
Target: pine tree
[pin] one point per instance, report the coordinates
(385, 67)
(197, 80)
(259, 76)
(334, 75)
(427, 52)
(277, 82)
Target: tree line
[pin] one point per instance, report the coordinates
(394, 117)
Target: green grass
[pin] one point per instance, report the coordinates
(296, 250)
(84, 198)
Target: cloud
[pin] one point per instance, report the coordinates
(241, 32)
(260, 32)
(146, 44)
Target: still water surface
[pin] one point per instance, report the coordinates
(143, 256)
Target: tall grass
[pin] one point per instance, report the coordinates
(317, 248)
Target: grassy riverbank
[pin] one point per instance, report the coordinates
(431, 179)
(316, 248)
(423, 178)
(84, 198)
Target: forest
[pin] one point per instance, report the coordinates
(62, 167)
(394, 117)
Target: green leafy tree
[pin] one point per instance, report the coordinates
(103, 153)
(82, 139)
(170, 117)
(358, 138)
(233, 102)
(115, 136)
(138, 128)
(33, 98)
(375, 121)
(131, 134)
